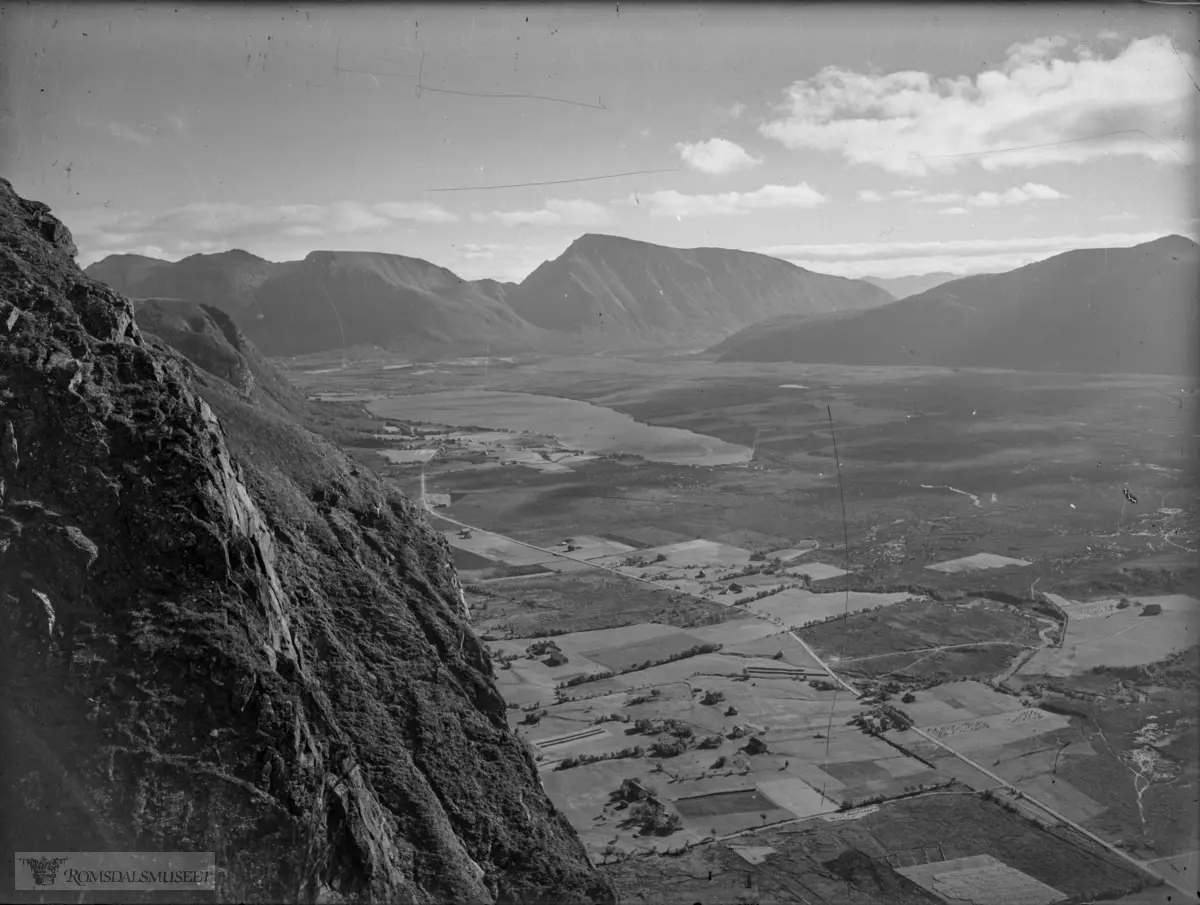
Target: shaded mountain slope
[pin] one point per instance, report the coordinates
(403, 304)
(218, 634)
(332, 300)
(641, 294)
(209, 338)
(1113, 310)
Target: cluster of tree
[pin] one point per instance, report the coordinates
(653, 818)
(541, 648)
(882, 718)
(611, 718)
(548, 632)
(712, 697)
(533, 717)
(643, 698)
(707, 648)
(765, 592)
(657, 727)
(710, 741)
(578, 760)
(586, 677)
(672, 747)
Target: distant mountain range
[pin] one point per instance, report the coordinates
(902, 287)
(1100, 310)
(602, 292)
(607, 289)
(334, 299)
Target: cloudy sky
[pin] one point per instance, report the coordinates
(881, 141)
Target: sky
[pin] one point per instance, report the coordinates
(852, 140)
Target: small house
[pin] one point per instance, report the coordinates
(756, 745)
(556, 658)
(1151, 609)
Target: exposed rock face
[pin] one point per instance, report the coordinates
(217, 634)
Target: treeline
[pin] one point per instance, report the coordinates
(579, 760)
(694, 651)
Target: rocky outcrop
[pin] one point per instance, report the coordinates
(218, 634)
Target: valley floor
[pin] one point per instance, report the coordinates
(719, 693)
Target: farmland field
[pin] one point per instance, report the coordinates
(990, 546)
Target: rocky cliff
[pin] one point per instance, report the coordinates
(218, 634)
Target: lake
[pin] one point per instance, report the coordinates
(576, 425)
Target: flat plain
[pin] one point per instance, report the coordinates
(662, 626)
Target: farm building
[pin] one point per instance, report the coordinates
(556, 658)
(756, 746)
(1151, 609)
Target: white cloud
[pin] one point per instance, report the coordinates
(204, 227)
(869, 195)
(717, 156)
(1040, 96)
(1030, 191)
(1123, 215)
(418, 211)
(556, 211)
(670, 203)
(128, 133)
(953, 210)
(735, 110)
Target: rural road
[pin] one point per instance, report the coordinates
(1142, 866)
(1124, 856)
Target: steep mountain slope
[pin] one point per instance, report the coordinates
(1116, 310)
(403, 304)
(902, 287)
(622, 291)
(218, 634)
(297, 307)
(208, 338)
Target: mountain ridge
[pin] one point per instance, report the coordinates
(659, 295)
(650, 294)
(1118, 310)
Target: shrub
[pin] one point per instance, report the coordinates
(668, 748)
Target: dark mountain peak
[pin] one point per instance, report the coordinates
(233, 256)
(628, 292)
